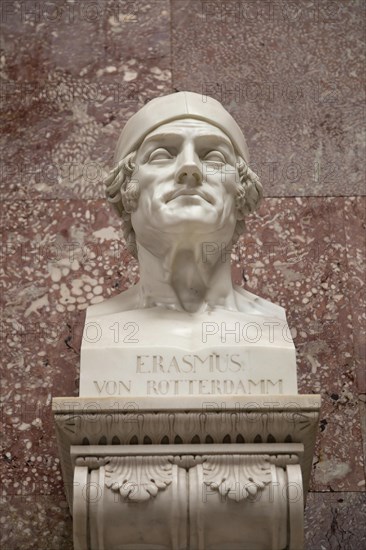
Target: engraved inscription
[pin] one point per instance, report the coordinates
(213, 387)
(193, 387)
(113, 387)
(190, 363)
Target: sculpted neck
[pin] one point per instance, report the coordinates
(188, 276)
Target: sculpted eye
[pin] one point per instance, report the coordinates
(215, 156)
(160, 154)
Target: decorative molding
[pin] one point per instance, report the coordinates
(187, 427)
(190, 467)
(237, 477)
(181, 478)
(187, 461)
(194, 423)
(138, 478)
(283, 460)
(91, 462)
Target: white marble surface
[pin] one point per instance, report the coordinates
(163, 352)
(205, 476)
(128, 494)
(183, 188)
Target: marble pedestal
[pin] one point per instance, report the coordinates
(192, 473)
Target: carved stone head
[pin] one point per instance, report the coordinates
(181, 165)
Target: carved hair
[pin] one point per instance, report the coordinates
(123, 192)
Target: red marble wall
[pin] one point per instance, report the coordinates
(72, 74)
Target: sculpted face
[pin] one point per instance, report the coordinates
(187, 175)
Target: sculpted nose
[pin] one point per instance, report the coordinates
(189, 168)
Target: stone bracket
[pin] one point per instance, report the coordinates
(196, 482)
(187, 474)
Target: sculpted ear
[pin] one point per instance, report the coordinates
(121, 190)
(250, 191)
(113, 183)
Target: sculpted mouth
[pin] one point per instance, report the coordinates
(189, 193)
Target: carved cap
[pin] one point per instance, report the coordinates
(164, 109)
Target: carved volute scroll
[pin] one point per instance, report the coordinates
(138, 477)
(228, 473)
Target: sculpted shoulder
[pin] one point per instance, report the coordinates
(246, 303)
(252, 304)
(125, 301)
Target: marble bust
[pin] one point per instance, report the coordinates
(188, 432)
(183, 187)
